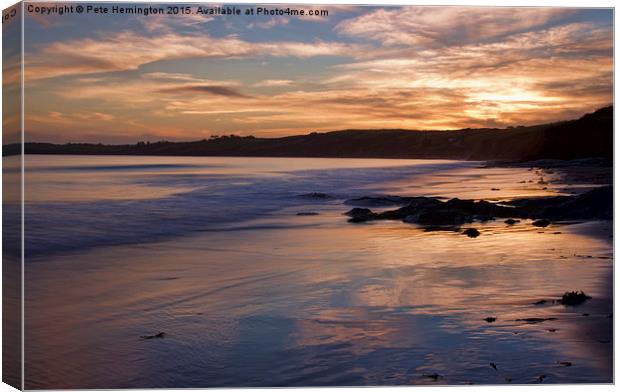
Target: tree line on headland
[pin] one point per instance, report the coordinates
(588, 136)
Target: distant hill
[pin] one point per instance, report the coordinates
(588, 136)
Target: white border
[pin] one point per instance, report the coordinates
(565, 3)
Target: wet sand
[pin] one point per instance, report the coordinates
(287, 300)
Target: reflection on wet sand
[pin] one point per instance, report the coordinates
(380, 304)
(213, 253)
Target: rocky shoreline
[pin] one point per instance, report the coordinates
(431, 212)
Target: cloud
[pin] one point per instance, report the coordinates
(274, 83)
(145, 89)
(11, 71)
(59, 117)
(270, 23)
(445, 69)
(446, 26)
(128, 51)
(576, 50)
(479, 85)
(95, 116)
(171, 22)
(215, 90)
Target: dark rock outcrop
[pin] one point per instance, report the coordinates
(379, 201)
(471, 232)
(595, 204)
(316, 195)
(359, 215)
(427, 211)
(574, 298)
(536, 320)
(541, 223)
(159, 335)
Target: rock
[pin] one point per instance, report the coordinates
(410, 219)
(442, 217)
(541, 302)
(574, 298)
(536, 206)
(594, 204)
(471, 232)
(565, 363)
(427, 211)
(417, 207)
(494, 366)
(542, 377)
(307, 213)
(358, 211)
(423, 202)
(481, 207)
(359, 215)
(536, 320)
(159, 335)
(433, 376)
(602, 340)
(490, 319)
(379, 201)
(541, 223)
(430, 229)
(316, 195)
(495, 189)
(432, 212)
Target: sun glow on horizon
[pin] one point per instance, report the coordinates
(426, 68)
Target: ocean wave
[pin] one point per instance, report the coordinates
(214, 201)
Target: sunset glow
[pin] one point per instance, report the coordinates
(187, 77)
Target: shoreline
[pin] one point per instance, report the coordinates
(328, 302)
(419, 300)
(595, 171)
(555, 140)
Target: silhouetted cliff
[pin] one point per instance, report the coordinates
(589, 136)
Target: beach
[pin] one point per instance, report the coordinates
(250, 195)
(159, 272)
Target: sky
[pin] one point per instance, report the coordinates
(128, 78)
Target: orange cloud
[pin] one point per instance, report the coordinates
(128, 51)
(274, 83)
(438, 68)
(445, 26)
